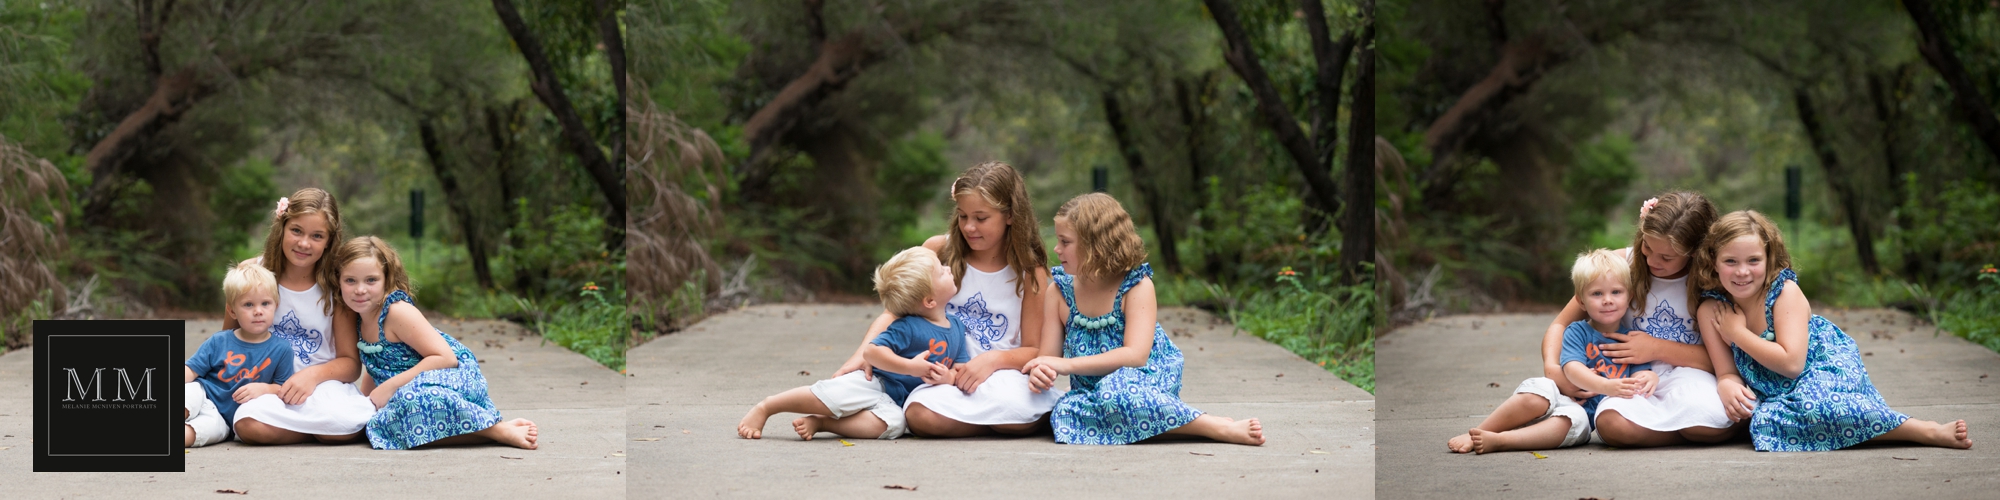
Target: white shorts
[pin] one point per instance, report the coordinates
(1559, 406)
(851, 393)
(204, 417)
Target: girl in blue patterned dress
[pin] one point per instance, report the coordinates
(430, 390)
(1800, 382)
(1125, 376)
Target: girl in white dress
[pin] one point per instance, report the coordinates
(320, 402)
(994, 248)
(1683, 408)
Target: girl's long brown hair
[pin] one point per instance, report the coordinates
(1001, 186)
(306, 202)
(1680, 217)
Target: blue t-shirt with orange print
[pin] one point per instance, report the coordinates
(224, 363)
(913, 334)
(1580, 343)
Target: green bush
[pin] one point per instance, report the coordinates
(1975, 312)
(594, 325)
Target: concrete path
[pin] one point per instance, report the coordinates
(576, 402)
(689, 389)
(1439, 378)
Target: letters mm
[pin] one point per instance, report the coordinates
(124, 383)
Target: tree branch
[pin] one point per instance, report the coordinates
(1243, 59)
(610, 182)
(1937, 51)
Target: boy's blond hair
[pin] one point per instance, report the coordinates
(1600, 263)
(905, 280)
(245, 278)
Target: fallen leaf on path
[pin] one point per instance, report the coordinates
(1901, 458)
(1202, 454)
(510, 458)
(1281, 375)
(617, 454)
(844, 442)
(899, 487)
(647, 439)
(1317, 451)
(685, 431)
(244, 492)
(804, 373)
(1538, 456)
(1493, 384)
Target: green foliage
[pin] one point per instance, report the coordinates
(1597, 181)
(1975, 312)
(910, 177)
(565, 248)
(593, 325)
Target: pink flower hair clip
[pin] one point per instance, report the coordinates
(1647, 207)
(283, 203)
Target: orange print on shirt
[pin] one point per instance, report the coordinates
(937, 349)
(231, 358)
(1603, 365)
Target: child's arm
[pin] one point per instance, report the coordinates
(1641, 347)
(1552, 343)
(1591, 381)
(882, 358)
(857, 362)
(1786, 356)
(1737, 400)
(345, 365)
(412, 329)
(190, 374)
(1040, 375)
(1141, 316)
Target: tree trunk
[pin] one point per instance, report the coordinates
(1850, 199)
(1886, 114)
(1522, 63)
(1243, 59)
(1142, 178)
(1357, 221)
(173, 95)
(1937, 51)
(1331, 58)
(461, 209)
(609, 180)
(614, 51)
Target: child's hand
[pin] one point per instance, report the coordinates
(939, 374)
(1043, 371)
(1649, 380)
(252, 391)
(854, 364)
(1737, 401)
(1624, 387)
(1729, 323)
(380, 396)
(296, 390)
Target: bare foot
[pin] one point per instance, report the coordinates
(1950, 435)
(808, 425)
(1247, 431)
(519, 433)
(1461, 443)
(1484, 442)
(752, 426)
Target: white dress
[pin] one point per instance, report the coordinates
(335, 407)
(1685, 397)
(990, 308)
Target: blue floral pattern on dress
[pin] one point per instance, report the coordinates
(437, 404)
(304, 341)
(981, 325)
(1831, 405)
(1127, 405)
(1668, 324)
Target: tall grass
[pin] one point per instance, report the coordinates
(33, 198)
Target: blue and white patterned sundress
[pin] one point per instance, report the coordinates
(1127, 405)
(1831, 405)
(437, 404)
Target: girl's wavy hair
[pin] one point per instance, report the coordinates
(1108, 245)
(393, 275)
(1681, 218)
(305, 202)
(1001, 186)
(1729, 228)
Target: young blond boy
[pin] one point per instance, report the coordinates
(234, 366)
(919, 348)
(1537, 416)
